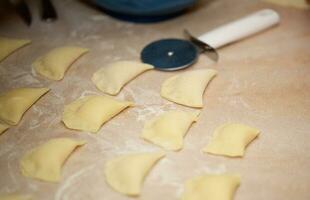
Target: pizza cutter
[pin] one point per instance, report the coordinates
(174, 54)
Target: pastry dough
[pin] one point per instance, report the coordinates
(231, 140)
(14, 103)
(168, 129)
(211, 187)
(55, 63)
(9, 45)
(89, 113)
(3, 127)
(187, 88)
(45, 161)
(15, 197)
(111, 78)
(126, 173)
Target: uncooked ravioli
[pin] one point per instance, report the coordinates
(45, 161)
(14, 103)
(126, 173)
(111, 78)
(9, 45)
(188, 87)
(168, 129)
(55, 63)
(211, 187)
(89, 113)
(231, 139)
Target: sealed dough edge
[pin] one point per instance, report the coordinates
(187, 88)
(126, 173)
(45, 161)
(15, 102)
(55, 63)
(91, 112)
(231, 140)
(113, 77)
(211, 187)
(10, 45)
(3, 127)
(168, 129)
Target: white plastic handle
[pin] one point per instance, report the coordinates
(241, 28)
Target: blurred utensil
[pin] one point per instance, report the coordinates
(174, 54)
(22, 10)
(203, 46)
(48, 13)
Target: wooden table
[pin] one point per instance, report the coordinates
(263, 81)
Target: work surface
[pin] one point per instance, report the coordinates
(262, 81)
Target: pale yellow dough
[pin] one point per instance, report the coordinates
(45, 161)
(14, 103)
(111, 78)
(211, 187)
(89, 113)
(187, 88)
(15, 197)
(55, 63)
(9, 45)
(3, 127)
(168, 129)
(231, 140)
(125, 174)
(302, 4)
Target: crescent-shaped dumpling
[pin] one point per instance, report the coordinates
(89, 113)
(187, 88)
(45, 161)
(211, 187)
(111, 78)
(231, 139)
(9, 45)
(14, 103)
(125, 174)
(168, 129)
(55, 63)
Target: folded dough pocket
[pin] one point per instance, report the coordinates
(111, 78)
(45, 161)
(231, 140)
(188, 87)
(125, 174)
(55, 63)
(9, 45)
(89, 113)
(168, 129)
(14, 103)
(211, 187)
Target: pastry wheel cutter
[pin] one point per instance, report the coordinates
(174, 54)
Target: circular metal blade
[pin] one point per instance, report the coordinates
(170, 54)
